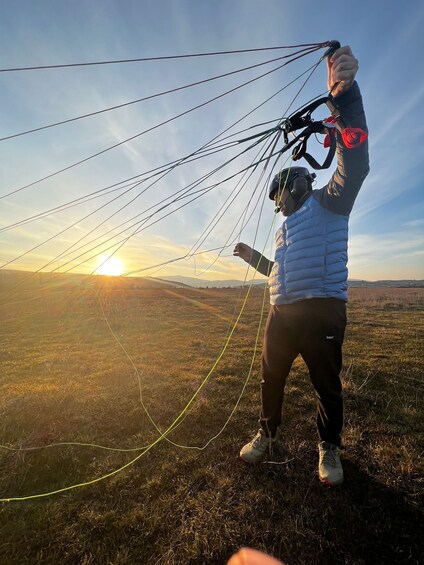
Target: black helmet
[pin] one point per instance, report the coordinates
(286, 177)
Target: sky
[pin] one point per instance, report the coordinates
(387, 222)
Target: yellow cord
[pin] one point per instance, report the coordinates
(160, 438)
(174, 424)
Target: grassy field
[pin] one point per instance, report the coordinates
(78, 361)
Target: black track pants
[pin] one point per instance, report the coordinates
(314, 329)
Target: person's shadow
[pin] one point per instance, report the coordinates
(361, 522)
(374, 523)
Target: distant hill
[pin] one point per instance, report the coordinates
(10, 277)
(203, 283)
(406, 283)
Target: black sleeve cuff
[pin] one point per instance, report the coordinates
(347, 98)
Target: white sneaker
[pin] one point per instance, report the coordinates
(255, 450)
(330, 468)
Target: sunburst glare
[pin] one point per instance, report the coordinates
(111, 266)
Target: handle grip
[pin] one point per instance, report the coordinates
(332, 46)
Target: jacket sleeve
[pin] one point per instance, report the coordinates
(261, 263)
(352, 164)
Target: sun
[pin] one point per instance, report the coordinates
(112, 266)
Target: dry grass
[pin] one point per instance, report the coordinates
(66, 378)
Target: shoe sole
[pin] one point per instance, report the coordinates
(330, 484)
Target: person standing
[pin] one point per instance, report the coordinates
(308, 279)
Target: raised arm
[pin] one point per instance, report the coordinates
(352, 163)
(254, 258)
